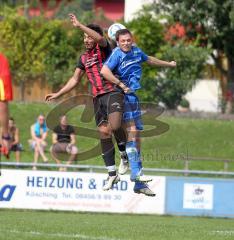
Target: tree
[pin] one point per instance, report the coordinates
(165, 84)
(38, 48)
(23, 42)
(11, 3)
(81, 8)
(212, 20)
(172, 84)
(61, 55)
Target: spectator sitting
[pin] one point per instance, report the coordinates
(14, 143)
(64, 140)
(38, 143)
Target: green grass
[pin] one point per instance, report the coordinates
(33, 225)
(195, 137)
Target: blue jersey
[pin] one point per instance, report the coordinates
(127, 65)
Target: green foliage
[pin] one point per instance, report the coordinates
(61, 55)
(173, 83)
(147, 31)
(86, 5)
(212, 19)
(35, 3)
(184, 103)
(38, 47)
(81, 8)
(23, 42)
(11, 3)
(165, 84)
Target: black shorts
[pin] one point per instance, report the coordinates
(15, 148)
(107, 103)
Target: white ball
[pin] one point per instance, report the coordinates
(113, 29)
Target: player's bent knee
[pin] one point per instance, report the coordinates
(105, 132)
(74, 150)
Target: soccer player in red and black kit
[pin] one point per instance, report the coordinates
(5, 96)
(107, 100)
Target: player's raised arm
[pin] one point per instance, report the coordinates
(93, 34)
(72, 82)
(108, 75)
(157, 62)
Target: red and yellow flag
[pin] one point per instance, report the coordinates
(5, 80)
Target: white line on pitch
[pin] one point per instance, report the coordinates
(62, 235)
(224, 232)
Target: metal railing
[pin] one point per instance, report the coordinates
(92, 168)
(213, 159)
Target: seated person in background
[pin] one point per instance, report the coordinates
(38, 143)
(64, 140)
(14, 143)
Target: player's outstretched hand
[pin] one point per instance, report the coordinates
(173, 64)
(74, 20)
(51, 96)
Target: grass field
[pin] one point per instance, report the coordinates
(193, 137)
(33, 225)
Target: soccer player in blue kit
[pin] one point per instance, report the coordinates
(125, 62)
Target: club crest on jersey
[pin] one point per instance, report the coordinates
(92, 61)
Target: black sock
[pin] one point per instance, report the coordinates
(121, 139)
(108, 154)
(122, 146)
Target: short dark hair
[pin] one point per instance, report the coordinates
(122, 32)
(96, 28)
(11, 119)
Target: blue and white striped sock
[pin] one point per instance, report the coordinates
(133, 158)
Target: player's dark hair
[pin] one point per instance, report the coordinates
(11, 118)
(122, 32)
(96, 28)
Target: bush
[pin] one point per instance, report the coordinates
(184, 103)
(39, 48)
(173, 83)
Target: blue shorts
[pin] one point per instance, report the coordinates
(132, 110)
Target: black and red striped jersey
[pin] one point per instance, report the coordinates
(91, 62)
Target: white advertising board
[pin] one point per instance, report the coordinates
(76, 191)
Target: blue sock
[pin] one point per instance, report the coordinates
(133, 158)
(139, 155)
(139, 185)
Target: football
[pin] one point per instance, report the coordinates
(113, 29)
